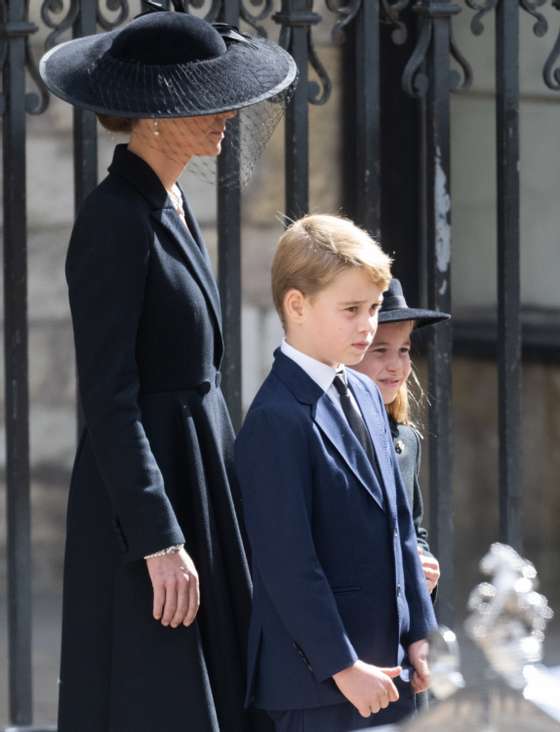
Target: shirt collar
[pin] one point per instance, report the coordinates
(322, 374)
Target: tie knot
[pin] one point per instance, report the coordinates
(340, 383)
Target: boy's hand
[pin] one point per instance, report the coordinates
(418, 657)
(176, 592)
(369, 688)
(430, 565)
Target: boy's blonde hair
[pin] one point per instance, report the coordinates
(316, 248)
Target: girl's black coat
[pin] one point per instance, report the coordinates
(409, 455)
(153, 468)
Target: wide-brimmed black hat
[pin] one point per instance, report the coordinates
(167, 64)
(395, 309)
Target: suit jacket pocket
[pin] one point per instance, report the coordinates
(343, 589)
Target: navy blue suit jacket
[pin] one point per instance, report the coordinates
(336, 569)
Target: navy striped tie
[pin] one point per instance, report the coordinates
(356, 421)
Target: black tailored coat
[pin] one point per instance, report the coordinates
(153, 468)
(409, 457)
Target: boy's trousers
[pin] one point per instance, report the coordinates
(344, 717)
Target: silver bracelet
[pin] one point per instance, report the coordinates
(175, 549)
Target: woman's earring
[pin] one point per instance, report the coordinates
(156, 128)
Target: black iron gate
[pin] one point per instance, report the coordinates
(425, 31)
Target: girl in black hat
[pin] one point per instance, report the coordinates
(156, 583)
(388, 363)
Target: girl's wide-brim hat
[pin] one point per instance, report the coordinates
(167, 64)
(395, 309)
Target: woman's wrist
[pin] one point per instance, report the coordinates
(175, 549)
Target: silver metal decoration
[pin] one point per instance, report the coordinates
(507, 621)
(444, 663)
(508, 617)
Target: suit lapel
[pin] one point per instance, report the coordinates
(195, 257)
(376, 429)
(335, 429)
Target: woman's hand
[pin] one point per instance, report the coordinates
(176, 591)
(430, 565)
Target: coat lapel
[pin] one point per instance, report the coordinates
(330, 421)
(376, 429)
(195, 257)
(189, 241)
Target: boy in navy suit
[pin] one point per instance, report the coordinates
(340, 606)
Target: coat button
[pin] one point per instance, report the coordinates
(398, 590)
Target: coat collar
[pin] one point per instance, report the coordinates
(302, 386)
(194, 253)
(331, 422)
(140, 175)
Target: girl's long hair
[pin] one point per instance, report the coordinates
(409, 400)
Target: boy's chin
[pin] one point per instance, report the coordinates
(353, 360)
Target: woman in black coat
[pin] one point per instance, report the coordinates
(152, 523)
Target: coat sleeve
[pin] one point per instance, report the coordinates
(274, 468)
(106, 271)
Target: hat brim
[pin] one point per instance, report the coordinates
(421, 317)
(83, 73)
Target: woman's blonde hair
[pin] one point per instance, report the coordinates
(400, 409)
(316, 248)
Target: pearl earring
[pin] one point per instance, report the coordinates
(156, 128)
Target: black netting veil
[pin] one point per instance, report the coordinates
(246, 137)
(197, 142)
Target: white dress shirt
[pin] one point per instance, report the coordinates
(321, 373)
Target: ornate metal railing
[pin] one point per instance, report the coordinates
(430, 77)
